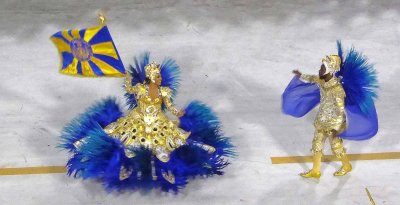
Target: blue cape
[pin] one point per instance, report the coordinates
(300, 97)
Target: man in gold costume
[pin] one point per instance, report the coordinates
(331, 118)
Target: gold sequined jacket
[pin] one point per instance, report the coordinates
(331, 114)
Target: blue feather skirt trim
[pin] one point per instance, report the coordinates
(101, 157)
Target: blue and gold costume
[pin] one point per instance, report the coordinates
(144, 148)
(345, 89)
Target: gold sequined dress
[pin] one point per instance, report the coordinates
(147, 125)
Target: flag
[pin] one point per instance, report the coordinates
(88, 52)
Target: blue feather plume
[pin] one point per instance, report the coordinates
(100, 114)
(138, 76)
(170, 74)
(101, 156)
(359, 79)
(205, 127)
(94, 156)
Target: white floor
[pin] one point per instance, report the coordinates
(236, 56)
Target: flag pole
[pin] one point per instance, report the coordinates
(370, 196)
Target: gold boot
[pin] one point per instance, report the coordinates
(346, 166)
(343, 170)
(316, 166)
(311, 174)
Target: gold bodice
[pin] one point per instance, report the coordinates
(331, 114)
(146, 125)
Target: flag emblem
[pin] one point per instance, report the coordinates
(88, 52)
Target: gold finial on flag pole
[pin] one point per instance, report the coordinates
(370, 197)
(102, 17)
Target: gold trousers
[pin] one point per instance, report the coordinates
(336, 142)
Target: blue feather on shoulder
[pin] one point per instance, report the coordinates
(359, 79)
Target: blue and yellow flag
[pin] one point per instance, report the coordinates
(88, 52)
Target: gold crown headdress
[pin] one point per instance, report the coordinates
(332, 63)
(151, 70)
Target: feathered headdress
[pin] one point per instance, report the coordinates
(169, 72)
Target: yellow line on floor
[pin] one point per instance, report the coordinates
(275, 160)
(32, 170)
(329, 158)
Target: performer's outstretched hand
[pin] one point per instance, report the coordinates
(128, 76)
(297, 73)
(180, 113)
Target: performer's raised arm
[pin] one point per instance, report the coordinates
(132, 89)
(305, 77)
(167, 94)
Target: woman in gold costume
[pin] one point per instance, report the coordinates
(144, 148)
(147, 125)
